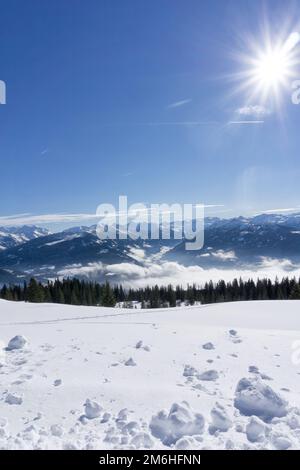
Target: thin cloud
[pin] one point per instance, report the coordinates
(178, 104)
(178, 123)
(45, 219)
(29, 219)
(256, 110)
(245, 122)
(276, 211)
(164, 123)
(8, 217)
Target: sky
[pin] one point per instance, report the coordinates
(144, 99)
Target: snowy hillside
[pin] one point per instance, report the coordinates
(214, 376)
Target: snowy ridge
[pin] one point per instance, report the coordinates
(11, 237)
(214, 376)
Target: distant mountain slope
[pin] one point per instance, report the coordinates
(14, 236)
(244, 241)
(229, 243)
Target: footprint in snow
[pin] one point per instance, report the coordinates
(208, 375)
(18, 382)
(46, 347)
(233, 336)
(140, 345)
(19, 362)
(130, 362)
(26, 376)
(13, 399)
(253, 369)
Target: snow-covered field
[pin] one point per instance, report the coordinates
(205, 377)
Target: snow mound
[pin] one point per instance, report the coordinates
(255, 429)
(56, 430)
(92, 409)
(281, 441)
(179, 422)
(17, 342)
(220, 419)
(253, 397)
(142, 440)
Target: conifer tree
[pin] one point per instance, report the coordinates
(34, 291)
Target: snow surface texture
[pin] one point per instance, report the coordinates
(221, 376)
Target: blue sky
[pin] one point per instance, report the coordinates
(137, 97)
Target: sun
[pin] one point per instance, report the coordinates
(271, 67)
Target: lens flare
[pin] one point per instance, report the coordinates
(270, 68)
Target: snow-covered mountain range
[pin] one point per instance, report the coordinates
(238, 243)
(14, 236)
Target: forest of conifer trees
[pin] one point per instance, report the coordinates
(80, 292)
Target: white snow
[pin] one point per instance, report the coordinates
(67, 388)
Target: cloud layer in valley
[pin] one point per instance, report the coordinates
(136, 275)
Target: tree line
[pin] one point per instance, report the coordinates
(81, 292)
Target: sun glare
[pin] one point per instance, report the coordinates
(271, 67)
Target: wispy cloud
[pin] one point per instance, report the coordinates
(44, 151)
(280, 210)
(165, 123)
(177, 123)
(246, 122)
(177, 104)
(14, 216)
(30, 219)
(256, 110)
